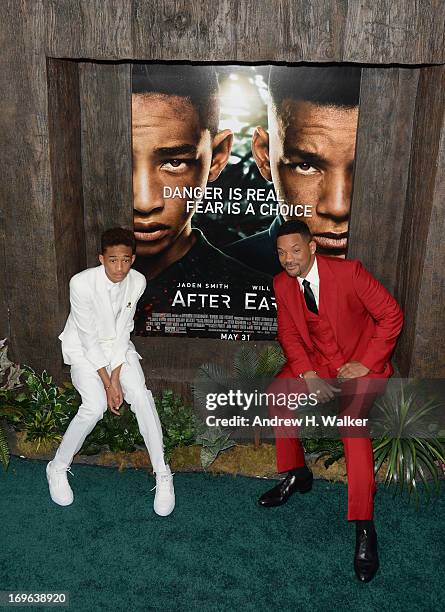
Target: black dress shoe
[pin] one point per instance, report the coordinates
(284, 489)
(366, 558)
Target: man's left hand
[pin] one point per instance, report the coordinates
(352, 369)
(115, 383)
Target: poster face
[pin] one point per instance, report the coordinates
(222, 155)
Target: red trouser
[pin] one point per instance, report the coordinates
(358, 450)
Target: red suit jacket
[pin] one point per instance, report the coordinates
(365, 319)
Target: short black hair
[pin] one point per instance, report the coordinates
(198, 84)
(117, 235)
(322, 85)
(294, 227)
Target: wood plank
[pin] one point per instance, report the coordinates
(388, 31)
(105, 93)
(309, 31)
(258, 26)
(185, 29)
(5, 331)
(428, 355)
(30, 270)
(370, 31)
(246, 30)
(381, 168)
(421, 261)
(239, 30)
(66, 174)
(96, 29)
(287, 30)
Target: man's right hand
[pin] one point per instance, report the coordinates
(322, 389)
(112, 389)
(113, 400)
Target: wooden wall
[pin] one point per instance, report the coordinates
(421, 258)
(383, 149)
(64, 121)
(64, 61)
(105, 91)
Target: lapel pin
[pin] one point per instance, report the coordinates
(129, 305)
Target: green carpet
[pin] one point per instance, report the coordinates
(217, 551)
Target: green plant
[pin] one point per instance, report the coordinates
(9, 372)
(4, 449)
(9, 380)
(45, 408)
(324, 447)
(41, 428)
(118, 433)
(406, 446)
(251, 371)
(213, 440)
(7, 412)
(177, 420)
(250, 365)
(40, 407)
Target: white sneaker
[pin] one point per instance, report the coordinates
(59, 488)
(165, 493)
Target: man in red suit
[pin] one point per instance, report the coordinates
(337, 326)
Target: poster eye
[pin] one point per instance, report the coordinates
(305, 168)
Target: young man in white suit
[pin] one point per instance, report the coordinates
(105, 367)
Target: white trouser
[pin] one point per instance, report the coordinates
(94, 403)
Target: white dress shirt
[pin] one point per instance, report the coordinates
(314, 280)
(115, 290)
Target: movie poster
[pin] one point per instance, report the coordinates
(222, 155)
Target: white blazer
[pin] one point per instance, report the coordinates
(92, 331)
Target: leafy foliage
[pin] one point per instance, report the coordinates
(210, 377)
(43, 410)
(245, 363)
(117, 433)
(37, 405)
(9, 372)
(177, 420)
(270, 361)
(4, 449)
(46, 408)
(9, 380)
(410, 457)
(324, 447)
(265, 365)
(251, 370)
(213, 440)
(411, 448)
